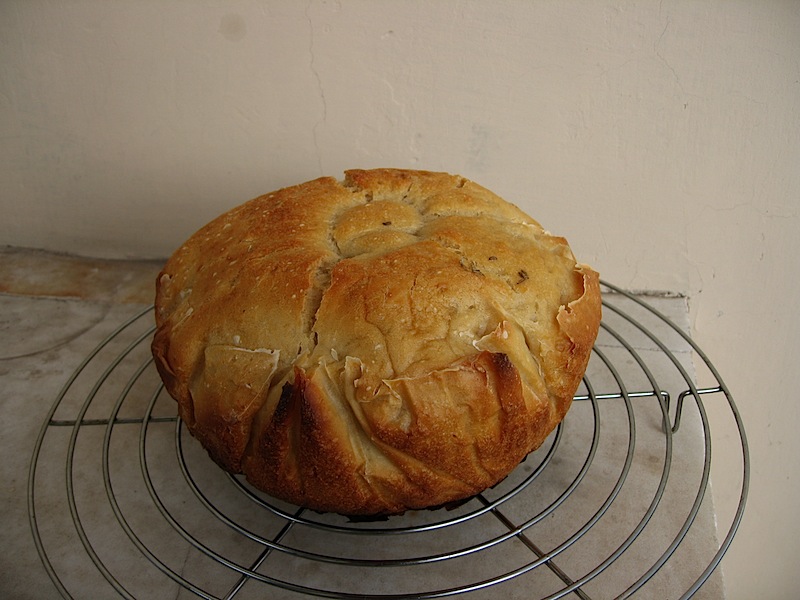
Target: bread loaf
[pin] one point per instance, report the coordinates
(398, 340)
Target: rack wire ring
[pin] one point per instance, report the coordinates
(502, 505)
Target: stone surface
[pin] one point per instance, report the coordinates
(108, 481)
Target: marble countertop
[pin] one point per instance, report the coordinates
(127, 505)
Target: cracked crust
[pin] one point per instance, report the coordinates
(397, 340)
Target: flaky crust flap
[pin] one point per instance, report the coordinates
(398, 340)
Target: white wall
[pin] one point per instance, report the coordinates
(662, 138)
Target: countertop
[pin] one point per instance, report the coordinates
(115, 516)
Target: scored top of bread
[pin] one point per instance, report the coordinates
(398, 340)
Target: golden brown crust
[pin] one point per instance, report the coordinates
(398, 340)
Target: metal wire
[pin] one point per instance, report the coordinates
(514, 520)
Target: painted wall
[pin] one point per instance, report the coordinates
(661, 138)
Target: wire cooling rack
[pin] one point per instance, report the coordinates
(124, 503)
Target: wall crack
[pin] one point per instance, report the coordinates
(320, 89)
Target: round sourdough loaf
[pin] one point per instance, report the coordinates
(398, 340)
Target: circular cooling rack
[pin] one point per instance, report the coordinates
(124, 503)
